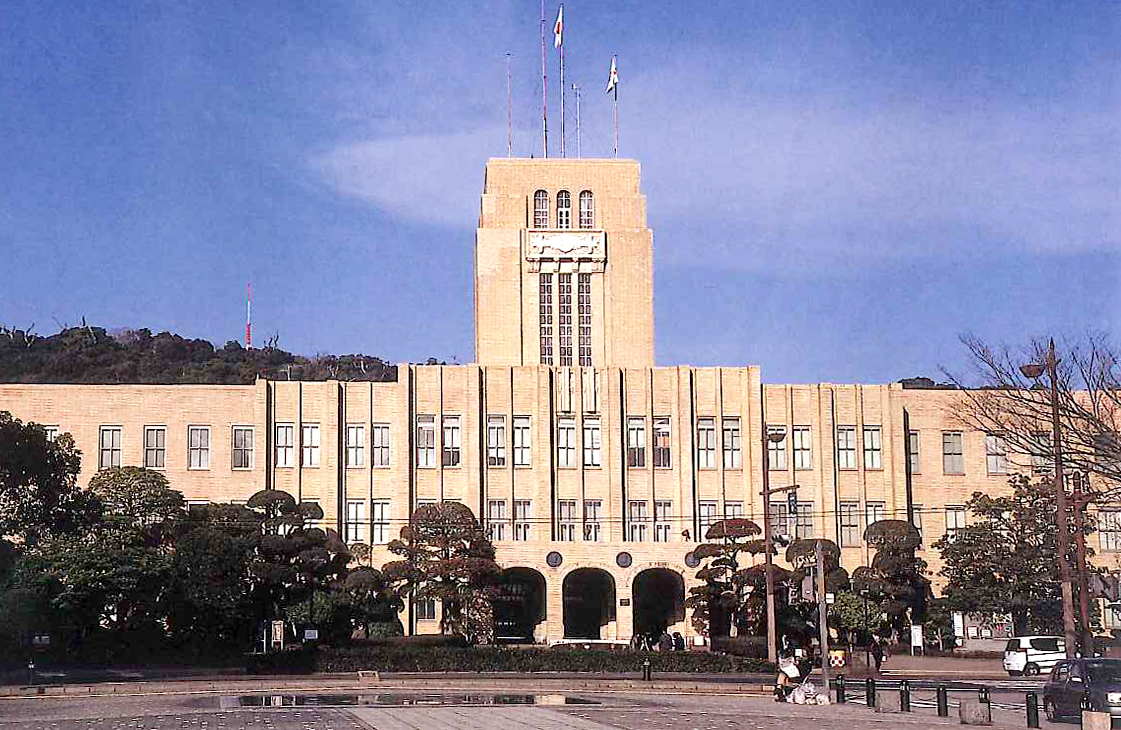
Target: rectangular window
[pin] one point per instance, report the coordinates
(706, 511)
(592, 443)
(242, 447)
(523, 514)
(636, 523)
(522, 443)
(592, 530)
(425, 609)
(873, 448)
(310, 444)
(285, 444)
(355, 445)
(874, 512)
(636, 442)
(706, 443)
(661, 442)
(450, 444)
(109, 455)
(426, 441)
(496, 519)
(379, 522)
(803, 453)
(913, 451)
(155, 447)
(566, 443)
(916, 518)
(732, 458)
(955, 520)
(996, 454)
(780, 520)
(545, 316)
(566, 520)
(380, 444)
(663, 513)
(850, 522)
(584, 314)
(355, 521)
(1109, 528)
(1041, 453)
(733, 510)
(496, 441)
(564, 298)
(198, 447)
(953, 461)
(804, 521)
(846, 447)
(776, 450)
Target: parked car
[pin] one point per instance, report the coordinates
(1098, 681)
(1031, 655)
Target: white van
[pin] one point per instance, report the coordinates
(1030, 655)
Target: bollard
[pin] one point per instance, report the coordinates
(646, 669)
(904, 696)
(1032, 702)
(31, 671)
(983, 696)
(841, 689)
(943, 701)
(870, 692)
(1085, 704)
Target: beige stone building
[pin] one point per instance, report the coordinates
(594, 471)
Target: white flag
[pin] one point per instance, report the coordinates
(612, 76)
(558, 29)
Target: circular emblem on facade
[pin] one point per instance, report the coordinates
(554, 559)
(624, 560)
(691, 559)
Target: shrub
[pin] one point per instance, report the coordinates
(301, 660)
(743, 646)
(403, 658)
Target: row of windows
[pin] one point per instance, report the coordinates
(110, 444)
(564, 210)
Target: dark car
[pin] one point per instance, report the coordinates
(1096, 680)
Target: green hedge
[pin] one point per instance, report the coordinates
(498, 659)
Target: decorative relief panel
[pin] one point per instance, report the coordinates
(570, 245)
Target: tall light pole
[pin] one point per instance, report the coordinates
(769, 566)
(1034, 371)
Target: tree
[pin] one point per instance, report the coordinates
(447, 556)
(137, 501)
(1000, 399)
(1003, 561)
(371, 599)
(939, 625)
(726, 587)
(896, 580)
(39, 492)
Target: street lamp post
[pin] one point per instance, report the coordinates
(1034, 371)
(1081, 498)
(772, 644)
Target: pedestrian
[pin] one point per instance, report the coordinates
(636, 642)
(678, 641)
(787, 672)
(877, 653)
(665, 642)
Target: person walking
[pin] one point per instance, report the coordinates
(678, 641)
(877, 653)
(665, 642)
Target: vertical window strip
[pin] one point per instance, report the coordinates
(584, 314)
(564, 298)
(545, 316)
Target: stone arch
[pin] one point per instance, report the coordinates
(520, 606)
(588, 595)
(657, 600)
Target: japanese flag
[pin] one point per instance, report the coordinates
(612, 76)
(558, 29)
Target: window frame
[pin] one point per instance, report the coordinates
(637, 518)
(378, 449)
(591, 518)
(567, 519)
(663, 520)
(496, 520)
(850, 522)
(564, 210)
(636, 442)
(707, 516)
(914, 450)
(158, 450)
(522, 426)
(115, 451)
(451, 441)
(250, 452)
(311, 439)
(425, 441)
(355, 524)
(202, 449)
(287, 447)
(776, 450)
(661, 426)
(587, 222)
(873, 438)
(706, 443)
(947, 456)
(566, 445)
(496, 441)
(803, 453)
(731, 443)
(379, 521)
(523, 520)
(592, 442)
(541, 209)
(996, 455)
(846, 448)
(356, 448)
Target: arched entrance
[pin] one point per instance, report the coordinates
(589, 603)
(658, 600)
(519, 605)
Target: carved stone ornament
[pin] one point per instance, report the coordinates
(572, 245)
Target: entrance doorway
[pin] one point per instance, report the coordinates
(589, 603)
(659, 600)
(519, 605)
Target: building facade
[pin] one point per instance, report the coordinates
(595, 472)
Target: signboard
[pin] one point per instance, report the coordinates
(624, 601)
(41, 640)
(830, 598)
(792, 502)
(311, 634)
(278, 631)
(959, 623)
(916, 636)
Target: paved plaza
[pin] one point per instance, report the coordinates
(626, 711)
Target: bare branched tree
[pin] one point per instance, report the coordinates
(1003, 401)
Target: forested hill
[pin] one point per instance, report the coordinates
(93, 355)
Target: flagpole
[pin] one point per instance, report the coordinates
(560, 20)
(576, 90)
(509, 108)
(616, 90)
(544, 90)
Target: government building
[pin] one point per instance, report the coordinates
(595, 472)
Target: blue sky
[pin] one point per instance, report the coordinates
(838, 189)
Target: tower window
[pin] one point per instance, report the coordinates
(587, 209)
(564, 295)
(564, 210)
(541, 209)
(584, 313)
(545, 315)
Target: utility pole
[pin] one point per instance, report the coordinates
(822, 615)
(768, 541)
(1081, 498)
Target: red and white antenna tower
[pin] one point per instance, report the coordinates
(248, 315)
